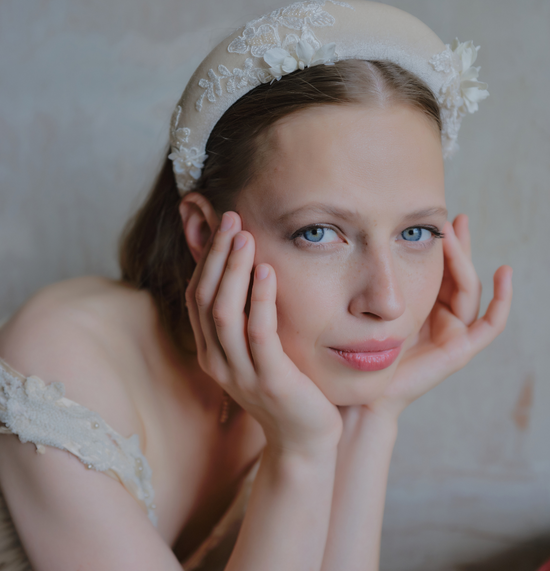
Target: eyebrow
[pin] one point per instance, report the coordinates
(426, 213)
(345, 214)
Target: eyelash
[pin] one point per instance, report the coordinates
(424, 244)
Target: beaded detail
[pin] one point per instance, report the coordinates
(259, 37)
(460, 92)
(313, 32)
(40, 414)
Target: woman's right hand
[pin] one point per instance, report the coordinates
(244, 354)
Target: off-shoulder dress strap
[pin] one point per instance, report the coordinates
(41, 414)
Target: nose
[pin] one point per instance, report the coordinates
(379, 293)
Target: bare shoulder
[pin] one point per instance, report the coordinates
(77, 332)
(67, 516)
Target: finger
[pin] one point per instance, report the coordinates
(466, 295)
(213, 267)
(228, 311)
(265, 345)
(461, 226)
(191, 304)
(486, 328)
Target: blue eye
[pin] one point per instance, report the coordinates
(416, 234)
(314, 234)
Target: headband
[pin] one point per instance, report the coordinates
(317, 32)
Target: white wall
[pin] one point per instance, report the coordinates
(86, 92)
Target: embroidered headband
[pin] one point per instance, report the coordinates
(317, 32)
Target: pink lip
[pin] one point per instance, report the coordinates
(370, 355)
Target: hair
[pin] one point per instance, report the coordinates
(153, 253)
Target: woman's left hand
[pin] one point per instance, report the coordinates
(452, 334)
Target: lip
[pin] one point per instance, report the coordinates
(372, 355)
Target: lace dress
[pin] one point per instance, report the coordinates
(40, 414)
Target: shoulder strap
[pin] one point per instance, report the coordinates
(40, 414)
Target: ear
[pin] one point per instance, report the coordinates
(199, 221)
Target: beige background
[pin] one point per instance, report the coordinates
(86, 91)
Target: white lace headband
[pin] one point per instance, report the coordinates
(319, 32)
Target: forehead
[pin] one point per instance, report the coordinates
(352, 154)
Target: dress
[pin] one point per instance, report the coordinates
(40, 414)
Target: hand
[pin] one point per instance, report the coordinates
(452, 333)
(244, 354)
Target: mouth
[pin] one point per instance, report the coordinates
(369, 356)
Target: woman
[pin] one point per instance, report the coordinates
(290, 285)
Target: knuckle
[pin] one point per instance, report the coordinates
(260, 296)
(257, 335)
(219, 245)
(221, 314)
(233, 263)
(189, 294)
(202, 296)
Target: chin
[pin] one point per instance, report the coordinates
(361, 388)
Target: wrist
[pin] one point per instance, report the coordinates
(362, 423)
(381, 421)
(295, 460)
(388, 412)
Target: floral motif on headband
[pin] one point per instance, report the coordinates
(461, 92)
(282, 62)
(462, 81)
(262, 34)
(187, 161)
(471, 90)
(261, 38)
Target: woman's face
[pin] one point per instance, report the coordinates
(342, 209)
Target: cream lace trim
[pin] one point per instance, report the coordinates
(40, 414)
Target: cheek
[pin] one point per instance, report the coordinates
(423, 284)
(307, 298)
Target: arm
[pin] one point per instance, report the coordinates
(286, 521)
(287, 518)
(364, 455)
(449, 339)
(69, 518)
(66, 516)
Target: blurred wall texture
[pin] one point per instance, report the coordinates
(86, 94)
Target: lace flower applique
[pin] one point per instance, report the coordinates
(282, 62)
(41, 414)
(265, 40)
(461, 91)
(471, 90)
(186, 160)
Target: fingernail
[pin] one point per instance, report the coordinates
(239, 241)
(226, 223)
(262, 272)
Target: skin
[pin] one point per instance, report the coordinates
(362, 280)
(325, 432)
(267, 344)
